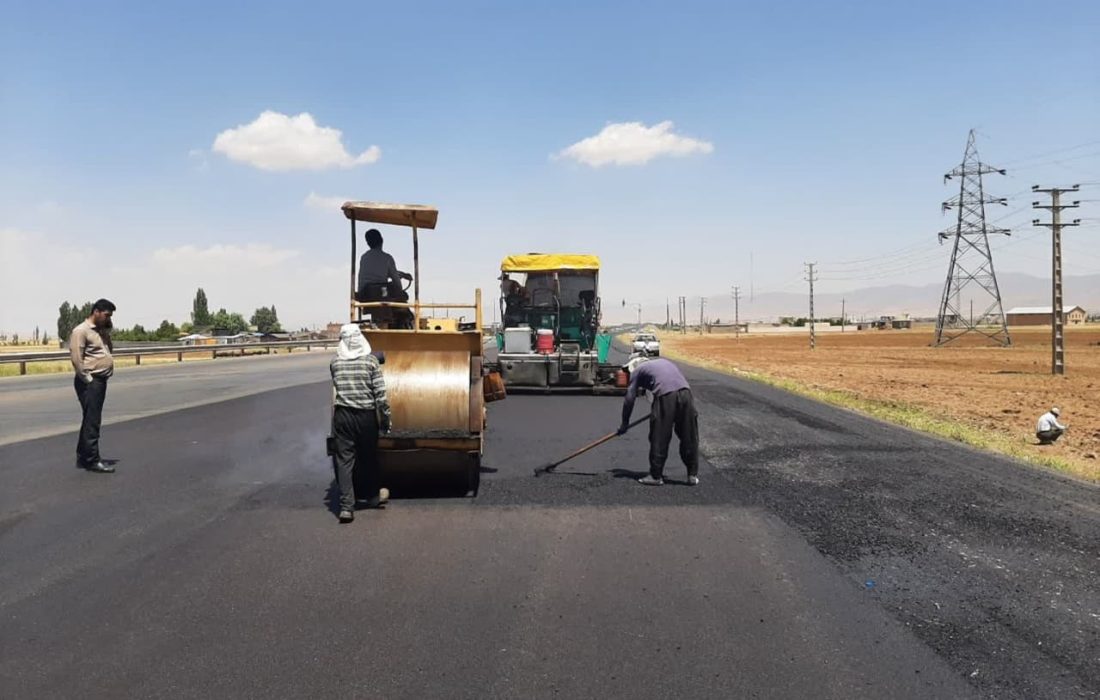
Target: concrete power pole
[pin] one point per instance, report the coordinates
(1057, 317)
(737, 311)
(702, 306)
(811, 277)
(842, 321)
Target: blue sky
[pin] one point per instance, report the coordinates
(827, 128)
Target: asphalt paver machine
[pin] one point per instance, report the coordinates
(550, 336)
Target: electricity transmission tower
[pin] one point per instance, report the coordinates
(1057, 310)
(971, 260)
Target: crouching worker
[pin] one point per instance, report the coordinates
(361, 412)
(673, 410)
(1048, 430)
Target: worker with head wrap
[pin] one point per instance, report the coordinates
(673, 410)
(361, 412)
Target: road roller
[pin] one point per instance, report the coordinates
(434, 368)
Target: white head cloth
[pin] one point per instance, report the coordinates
(352, 343)
(634, 362)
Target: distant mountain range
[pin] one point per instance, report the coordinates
(1017, 289)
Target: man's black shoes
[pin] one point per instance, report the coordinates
(98, 466)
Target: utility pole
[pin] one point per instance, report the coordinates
(811, 277)
(683, 315)
(702, 306)
(971, 258)
(1057, 317)
(737, 312)
(842, 317)
(668, 315)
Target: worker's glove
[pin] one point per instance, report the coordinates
(86, 378)
(622, 429)
(385, 426)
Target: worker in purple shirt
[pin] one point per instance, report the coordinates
(673, 410)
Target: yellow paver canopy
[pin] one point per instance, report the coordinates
(548, 262)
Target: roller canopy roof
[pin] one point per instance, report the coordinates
(548, 262)
(395, 214)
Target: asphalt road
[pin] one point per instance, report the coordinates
(824, 555)
(40, 405)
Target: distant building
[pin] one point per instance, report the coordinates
(196, 339)
(1040, 315)
(332, 331)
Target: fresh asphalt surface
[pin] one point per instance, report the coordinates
(825, 555)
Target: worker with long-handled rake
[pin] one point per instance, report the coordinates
(673, 410)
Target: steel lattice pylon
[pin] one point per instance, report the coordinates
(971, 268)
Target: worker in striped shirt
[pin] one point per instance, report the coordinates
(361, 412)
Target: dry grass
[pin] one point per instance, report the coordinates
(985, 396)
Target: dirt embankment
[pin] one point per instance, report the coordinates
(1000, 391)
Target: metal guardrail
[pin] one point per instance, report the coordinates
(223, 349)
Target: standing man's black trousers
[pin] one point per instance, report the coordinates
(356, 454)
(91, 396)
(674, 412)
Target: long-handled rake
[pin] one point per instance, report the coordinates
(547, 468)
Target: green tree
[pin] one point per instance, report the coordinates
(266, 320)
(166, 331)
(64, 315)
(187, 328)
(200, 310)
(230, 323)
(69, 316)
(237, 324)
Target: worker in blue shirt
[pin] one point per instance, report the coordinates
(673, 410)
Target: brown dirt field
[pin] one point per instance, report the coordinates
(1001, 391)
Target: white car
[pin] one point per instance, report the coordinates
(647, 344)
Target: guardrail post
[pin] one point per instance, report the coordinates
(179, 356)
(23, 367)
(213, 354)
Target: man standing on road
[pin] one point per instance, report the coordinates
(1048, 430)
(361, 412)
(90, 351)
(673, 410)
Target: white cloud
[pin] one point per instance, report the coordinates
(222, 257)
(316, 201)
(280, 142)
(633, 143)
(149, 286)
